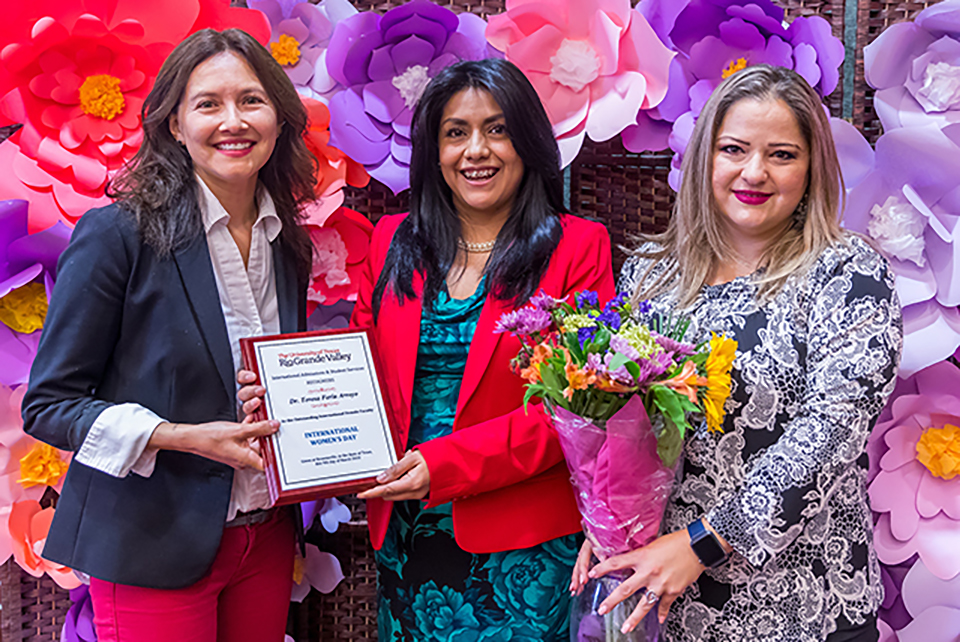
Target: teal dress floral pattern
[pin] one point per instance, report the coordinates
(429, 588)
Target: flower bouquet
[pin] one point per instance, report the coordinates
(621, 395)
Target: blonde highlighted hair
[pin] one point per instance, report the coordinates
(694, 245)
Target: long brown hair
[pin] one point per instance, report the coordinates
(693, 244)
(158, 184)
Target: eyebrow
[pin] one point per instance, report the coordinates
(460, 121)
(743, 142)
(215, 94)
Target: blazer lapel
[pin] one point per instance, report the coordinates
(481, 349)
(196, 274)
(286, 277)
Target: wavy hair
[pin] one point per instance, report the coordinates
(694, 244)
(158, 185)
(426, 241)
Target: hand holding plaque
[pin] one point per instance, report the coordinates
(336, 431)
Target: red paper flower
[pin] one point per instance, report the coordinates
(334, 170)
(340, 247)
(75, 75)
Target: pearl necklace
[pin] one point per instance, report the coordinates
(476, 248)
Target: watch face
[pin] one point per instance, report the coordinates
(705, 545)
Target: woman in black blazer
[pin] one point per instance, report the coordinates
(165, 505)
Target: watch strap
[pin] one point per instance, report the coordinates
(705, 545)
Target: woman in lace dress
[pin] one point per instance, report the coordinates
(768, 532)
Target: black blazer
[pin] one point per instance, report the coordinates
(127, 326)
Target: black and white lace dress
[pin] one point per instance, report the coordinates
(785, 483)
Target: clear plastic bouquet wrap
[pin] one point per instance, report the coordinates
(621, 395)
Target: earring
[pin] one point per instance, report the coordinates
(800, 214)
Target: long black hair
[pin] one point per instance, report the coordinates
(158, 184)
(426, 241)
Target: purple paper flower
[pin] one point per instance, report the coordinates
(386, 62)
(28, 267)
(919, 511)
(714, 40)
(587, 299)
(299, 37)
(78, 623)
(915, 68)
(905, 197)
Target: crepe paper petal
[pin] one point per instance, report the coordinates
(915, 67)
(334, 513)
(591, 64)
(29, 525)
(322, 570)
(386, 62)
(713, 40)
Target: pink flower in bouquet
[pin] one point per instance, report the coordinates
(593, 64)
(75, 76)
(916, 488)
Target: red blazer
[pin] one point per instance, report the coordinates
(502, 468)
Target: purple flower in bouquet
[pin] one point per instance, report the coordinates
(299, 36)
(543, 301)
(611, 318)
(385, 62)
(714, 40)
(905, 197)
(915, 68)
(587, 299)
(28, 267)
(78, 623)
(916, 477)
(673, 347)
(586, 334)
(526, 320)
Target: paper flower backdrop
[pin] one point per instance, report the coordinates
(905, 196)
(300, 34)
(385, 62)
(75, 75)
(340, 248)
(29, 525)
(915, 458)
(78, 624)
(915, 68)
(716, 39)
(593, 64)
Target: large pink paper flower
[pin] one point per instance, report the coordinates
(75, 75)
(934, 604)
(916, 490)
(594, 64)
(905, 197)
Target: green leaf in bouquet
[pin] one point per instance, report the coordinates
(533, 390)
(670, 404)
(600, 341)
(554, 384)
(633, 368)
(618, 360)
(669, 443)
(573, 345)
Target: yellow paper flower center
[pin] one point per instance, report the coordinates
(286, 50)
(100, 96)
(939, 450)
(733, 67)
(299, 566)
(42, 466)
(24, 309)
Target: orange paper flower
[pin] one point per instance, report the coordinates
(29, 525)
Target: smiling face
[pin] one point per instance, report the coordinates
(477, 158)
(227, 122)
(760, 167)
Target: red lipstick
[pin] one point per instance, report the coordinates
(752, 198)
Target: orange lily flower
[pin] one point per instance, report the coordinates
(687, 382)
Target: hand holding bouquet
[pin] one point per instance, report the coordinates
(621, 395)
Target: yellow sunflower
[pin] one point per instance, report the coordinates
(722, 353)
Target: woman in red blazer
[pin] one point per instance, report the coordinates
(491, 548)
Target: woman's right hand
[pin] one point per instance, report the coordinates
(250, 393)
(227, 442)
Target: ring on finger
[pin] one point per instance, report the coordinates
(650, 597)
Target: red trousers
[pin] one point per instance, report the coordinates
(244, 596)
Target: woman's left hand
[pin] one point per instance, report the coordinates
(409, 478)
(665, 567)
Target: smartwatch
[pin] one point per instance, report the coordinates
(705, 544)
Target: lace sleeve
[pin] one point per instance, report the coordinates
(854, 336)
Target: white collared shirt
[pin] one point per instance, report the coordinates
(117, 441)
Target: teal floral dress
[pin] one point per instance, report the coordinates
(428, 587)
